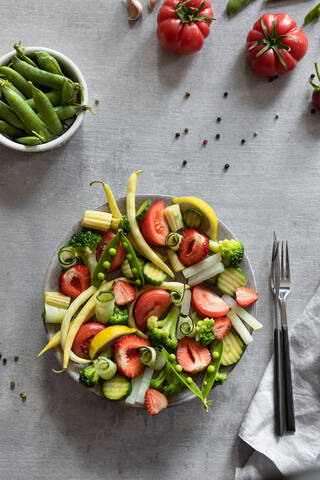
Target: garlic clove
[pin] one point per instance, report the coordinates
(152, 4)
(135, 9)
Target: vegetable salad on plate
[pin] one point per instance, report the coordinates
(149, 300)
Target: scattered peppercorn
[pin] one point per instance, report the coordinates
(312, 76)
(96, 101)
(313, 110)
(16, 358)
(184, 163)
(186, 130)
(23, 395)
(177, 135)
(217, 136)
(243, 141)
(0, 354)
(226, 166)
(188, 94)
(4, 361)
(270, 79)
(225, 94)
(219, 119)
(255, 134)
(276, 116)
(12, 384)
(205, 142)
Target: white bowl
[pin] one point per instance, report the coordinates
(71, 70)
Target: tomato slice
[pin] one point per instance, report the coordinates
(153, 226)
(84, 336)
(207, 303)
(119, 258)
(152, 302)
(74, 281)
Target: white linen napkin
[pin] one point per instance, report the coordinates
(300, 451)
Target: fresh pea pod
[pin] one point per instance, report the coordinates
(184, 378)
(68, 92)
(314, 13)
(30, 141)
(54, 97)
(16, 79)
(105, 261)
(233, 6)
(9, 130)
(133, 260)
(65, 112)
(212, 369)
(22, 55)
(47, 111)
(7, 114)
(36, 75)
(48, 63)
(18, 92)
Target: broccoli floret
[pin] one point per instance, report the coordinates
(205, 333)
(220, 378)
(88, 376)
(232, 252)
(167, 382)
(125, 225)
(85, 246)
(119, 317)
(163, 332)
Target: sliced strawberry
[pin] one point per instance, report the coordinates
(245, 296)
(207, 303)
(194, 247)
(126, 354)
(221, 327)
(192, 357)
(155, 401)
(123, 292)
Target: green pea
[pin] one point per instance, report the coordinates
(125, 245)
(101, 276)
(129, 256)
(138, 281)
(189, 380)
(216, 354)
(134, 270)
(205, 382)
(172, 356)
(211, 369)
(112, 251)
(106, 265)
(178, 368)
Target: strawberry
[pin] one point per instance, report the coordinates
(126, 354)
(155, 401)
(221, 327)
(123, 292)
(192, 357)
(194, 247)
(245, 296)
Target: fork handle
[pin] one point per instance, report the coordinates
(278, 380)
(291, 425)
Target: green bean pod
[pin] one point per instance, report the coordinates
(36, 75)
(22, 55)
(314, 13)
(48, 63)
(54, 97)
(105, 261)
(46, 111)
(10, 130)
(7, 114)
(133, 260)
(30, 141)
(68, 93)
(16, 79)
(212, 369)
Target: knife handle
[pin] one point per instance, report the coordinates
(291, 425)
(278, 380)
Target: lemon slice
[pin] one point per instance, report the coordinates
(107, 336)
(210, 222)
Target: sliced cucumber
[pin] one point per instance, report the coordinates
(192, 218)
(118, 388)
(232, 349)
(142, 210)
(126, 269)
(153, 275)
(230, 279)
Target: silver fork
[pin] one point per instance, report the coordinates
(279, 404)
(284, 290)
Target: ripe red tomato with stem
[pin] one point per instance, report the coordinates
(84, 336)
(316, 89)
(184, 25)
(275, 45)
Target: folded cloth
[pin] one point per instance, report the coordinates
(293, 452)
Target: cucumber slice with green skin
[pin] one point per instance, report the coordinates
(192, 218)
(126, 269)
(230, 279)
(118, 388)
(142, 210)
(153, 275)
(232, 349)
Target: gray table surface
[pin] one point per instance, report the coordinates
(62, 431)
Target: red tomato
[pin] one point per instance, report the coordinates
(74, 281)
(153, 226)
(152, 302)
(275, 45)
(183, 26)
(84, 336)
(207, 303)
(119, 258)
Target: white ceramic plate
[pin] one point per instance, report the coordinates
(54, 270)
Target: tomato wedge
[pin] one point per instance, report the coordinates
(153, 302)
(74, 281)
(207, 303)
(120, 256)
(84, 336)
(153, 226)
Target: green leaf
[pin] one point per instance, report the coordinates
(234, 6)
(314, 13)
